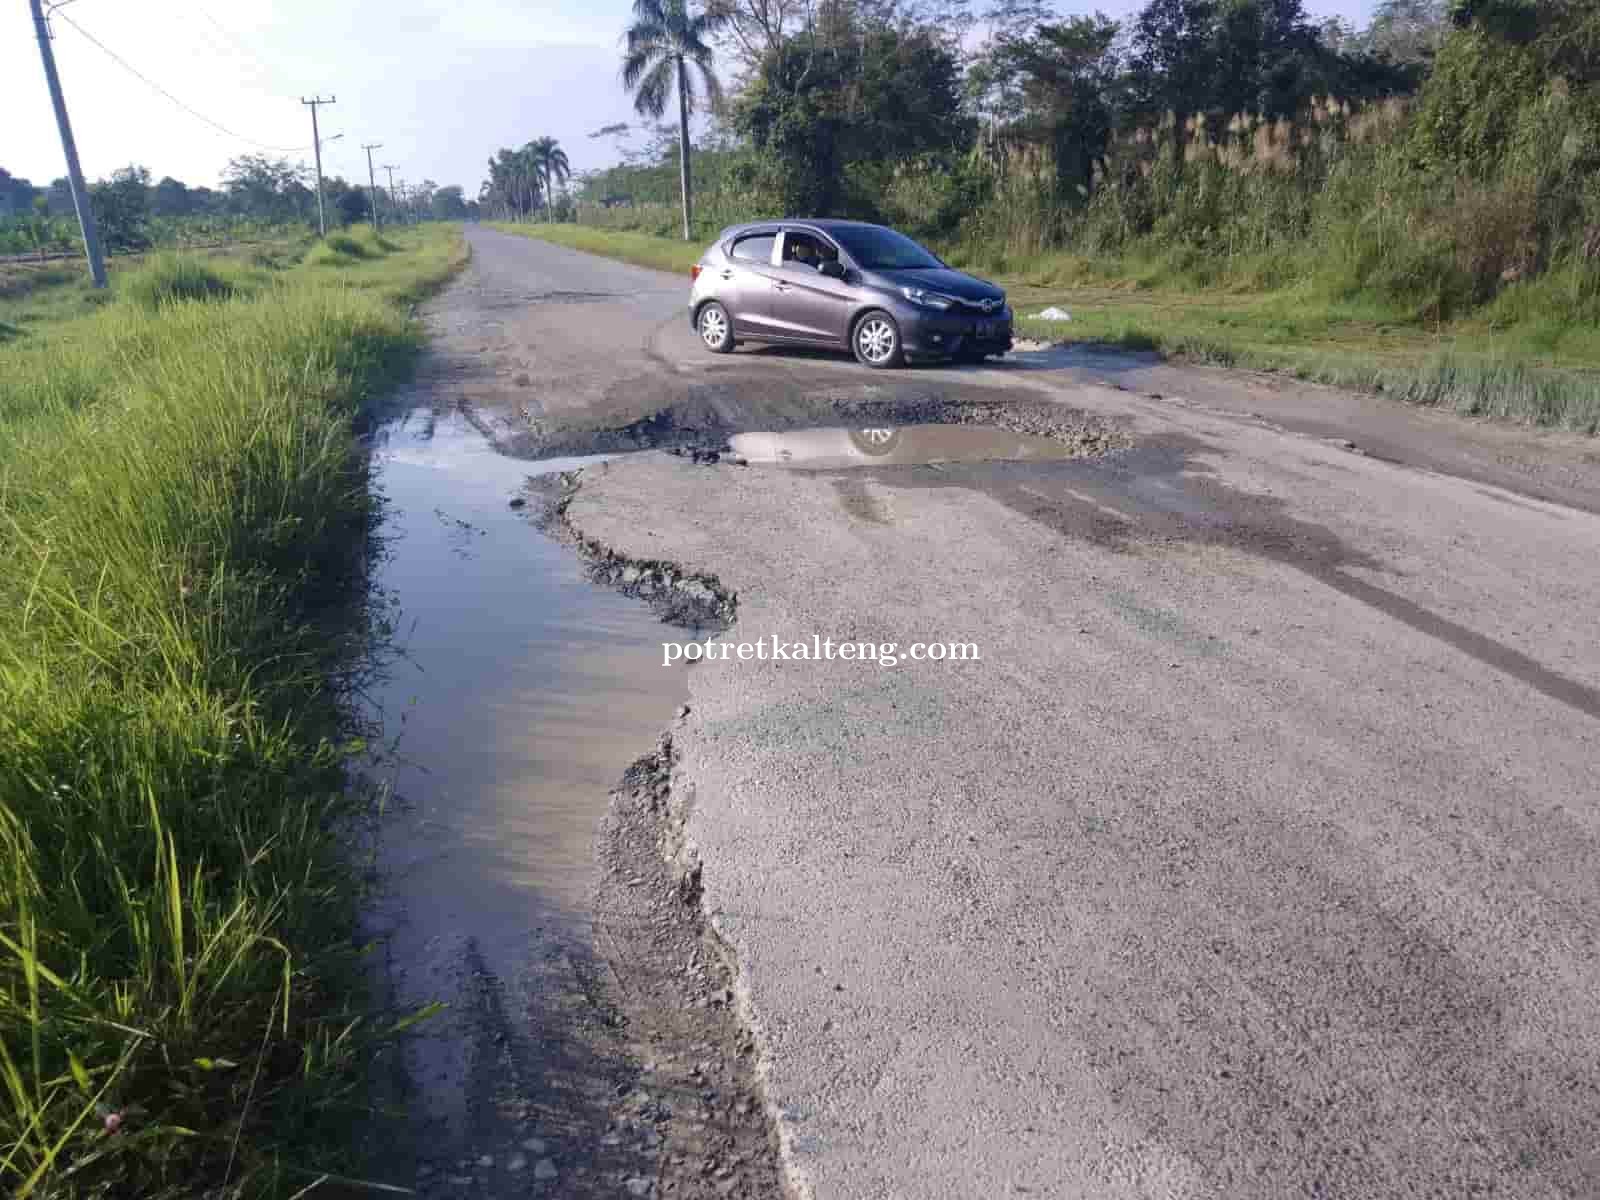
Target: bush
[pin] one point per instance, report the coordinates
(348, 246)
(171, 278)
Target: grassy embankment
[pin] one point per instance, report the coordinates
(184, 517)
(1531, 355)
(35, 294)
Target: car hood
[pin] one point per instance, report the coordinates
(944, 280)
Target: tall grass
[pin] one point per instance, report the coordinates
(183, 518)
(169, 278)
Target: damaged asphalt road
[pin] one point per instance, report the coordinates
(1254, 858)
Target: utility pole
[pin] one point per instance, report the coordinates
(316, 141)
(80, 194)
(372, 183)
(389, 167)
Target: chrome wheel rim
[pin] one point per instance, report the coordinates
(713, 327)
(875, 339)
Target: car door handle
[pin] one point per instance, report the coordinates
(780, 287)
(727, 274)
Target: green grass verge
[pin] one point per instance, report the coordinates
(41, 295)
(1533, 356)
(641, 249)
(184, 519)
(1482, 366)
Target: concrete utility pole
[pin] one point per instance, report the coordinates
(389, 167)
(80, 193)
(372, 183)
(316, 141)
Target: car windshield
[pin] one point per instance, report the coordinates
(877, 249)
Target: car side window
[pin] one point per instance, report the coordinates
(757, 248)
(806, 250)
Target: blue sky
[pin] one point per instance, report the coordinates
(440, 83)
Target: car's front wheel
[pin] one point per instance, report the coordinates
(876, 341)
(716, 328)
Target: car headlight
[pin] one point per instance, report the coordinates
(925, 298)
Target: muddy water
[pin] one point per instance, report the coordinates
(890, 445)
(522, 693)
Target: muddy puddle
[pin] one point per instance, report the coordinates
(893, 445)
(521, 693)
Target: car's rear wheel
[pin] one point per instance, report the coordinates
(876, 341)
(716, 328)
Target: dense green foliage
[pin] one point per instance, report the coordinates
(260, 196)
(184, 519)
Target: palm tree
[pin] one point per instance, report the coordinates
(550, 159)
(514, 182)
(662, 43)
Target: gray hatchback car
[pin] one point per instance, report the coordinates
(845, 284)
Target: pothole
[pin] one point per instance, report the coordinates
(889, 445)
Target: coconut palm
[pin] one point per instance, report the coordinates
(663, 42)
(550, 160)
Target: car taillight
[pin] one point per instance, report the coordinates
(694, 272)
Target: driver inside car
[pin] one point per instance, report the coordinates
(807, 252)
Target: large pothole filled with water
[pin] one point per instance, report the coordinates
(888, 445)
(518, 692)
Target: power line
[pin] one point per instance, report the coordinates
(240, 45)
(148, 82)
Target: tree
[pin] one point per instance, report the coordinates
(267, 187)
(59, 198)
(420, 198)
(1405, 31)
(350, 202)
(513, 185)
(1483, 76)
(170, 198)
(663, 43)
(1267, 58)
(122, 208)
(756, 28)
(873, 96)
(550, 160)
(16, 195)
(1173, 65)
(1056, 83)
(449, 204)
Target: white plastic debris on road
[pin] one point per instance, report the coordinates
(1053, 314)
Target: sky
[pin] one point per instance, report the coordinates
(439, 83)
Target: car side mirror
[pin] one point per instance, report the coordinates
(832, 268)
